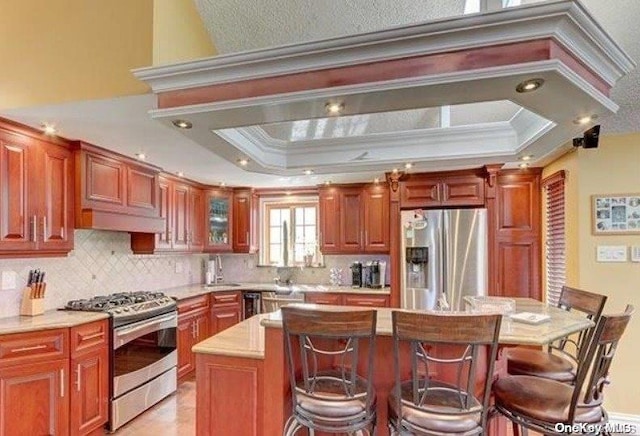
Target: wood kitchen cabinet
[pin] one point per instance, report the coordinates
(226, 310)
(354, 219)
(242, 221)
(432, 190)
(193, 327)
(181, 205)
(219, 216)
(36, 193)
(344, 299)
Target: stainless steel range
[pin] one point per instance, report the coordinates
(144, 355)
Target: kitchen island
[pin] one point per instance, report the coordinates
(242, 379)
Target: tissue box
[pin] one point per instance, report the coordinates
(504, 306)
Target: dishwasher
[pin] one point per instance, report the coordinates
(272, 301)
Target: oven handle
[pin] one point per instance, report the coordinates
(124, 335)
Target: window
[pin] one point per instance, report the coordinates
(555, 259)
(290, 232)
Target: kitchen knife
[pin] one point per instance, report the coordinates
(30, 279)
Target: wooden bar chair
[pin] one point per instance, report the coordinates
(560, 360)
(430, 402)
(322, 356)
(545, 406)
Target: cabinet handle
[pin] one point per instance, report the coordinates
(35, 347)
(44, 228)
(34, 229)
(62, 383)
(78, 377)
(93, 336)
(247, 238)
(366, 237)
(197, 328)
(62, 232)
(193, 329)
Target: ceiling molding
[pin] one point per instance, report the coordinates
(566, 21)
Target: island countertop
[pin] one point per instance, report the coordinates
(246, 339)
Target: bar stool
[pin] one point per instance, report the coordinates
(559, 362)
(550, 407)
(322, 347)
(427, 404)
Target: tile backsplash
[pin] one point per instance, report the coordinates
(101, 263)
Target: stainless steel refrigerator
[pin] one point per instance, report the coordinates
(444, 257)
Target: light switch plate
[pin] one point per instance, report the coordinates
(611, 253)
(9, 280)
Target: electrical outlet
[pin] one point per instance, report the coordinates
(179, 267)
(9, 280)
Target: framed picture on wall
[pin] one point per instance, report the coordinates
(615, 214)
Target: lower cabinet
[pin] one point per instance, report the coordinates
(46, 374)
(226, 310)
(342, 299)
(193, 327)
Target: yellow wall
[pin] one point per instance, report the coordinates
(70, 50)
(178, 32)
(613, 168)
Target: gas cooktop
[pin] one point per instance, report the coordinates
(126, 306)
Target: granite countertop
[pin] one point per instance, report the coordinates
(51, 319)
(183, 292)
(246, 339)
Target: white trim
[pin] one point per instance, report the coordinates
(625, 419)
(565, 20)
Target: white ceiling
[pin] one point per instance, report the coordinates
(123, 124)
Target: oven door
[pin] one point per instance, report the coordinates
(143, 350)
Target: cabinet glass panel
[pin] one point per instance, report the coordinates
(219, 221)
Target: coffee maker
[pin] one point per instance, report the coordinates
(356, 275)
(374, 274)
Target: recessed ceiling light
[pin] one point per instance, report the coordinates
(308, 172)
(141, 156)
(529, 85)
(327, 182)
(334, 107)
(408, 165)
(376, 180)
(524, 165)
(223, 184)
(394, 171)
(243, 162)
(526, 157)
(182, 124)
(180, 174)
(585, 120)
(49, 129)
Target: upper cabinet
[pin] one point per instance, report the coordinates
(242, 211)
(354, 219)
(181, 205)
(115, 193)
(36, 193)
(458, 188)
(219, 216)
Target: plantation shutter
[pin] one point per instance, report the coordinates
(555, 265)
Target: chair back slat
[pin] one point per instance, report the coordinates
(593, 371)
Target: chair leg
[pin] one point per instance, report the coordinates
(291, 427)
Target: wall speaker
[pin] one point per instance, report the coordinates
(590, 138)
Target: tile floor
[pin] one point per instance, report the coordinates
(173, 416)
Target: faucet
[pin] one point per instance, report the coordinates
(217, 275)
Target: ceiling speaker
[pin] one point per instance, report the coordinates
(590, 138)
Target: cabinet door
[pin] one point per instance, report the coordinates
(103, 183)
(164, 239)
(196, 220)
(16, 221)
(202, 327)
(323, 298)
(420, 193)
(186, 338)
(34, 399)
(89, 391)
(241, 221)
(224, 317)
(56, 210)
(376, 219)
(329, 221)
(180, 217)
(142, 191)
(218, 221)
(366, 300)
(351, 228)
(463, 191)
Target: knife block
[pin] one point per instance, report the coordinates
(31, 306)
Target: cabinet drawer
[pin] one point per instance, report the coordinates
(366, 300)
(87, 336)
(192, 304)
(221, 298)
(323, 298)
(33, 347)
